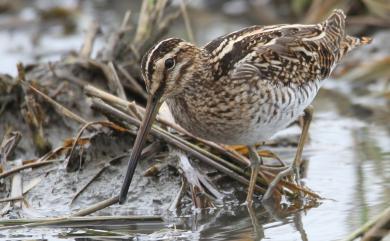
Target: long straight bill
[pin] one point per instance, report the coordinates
(152, 107)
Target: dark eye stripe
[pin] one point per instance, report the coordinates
(182, 70)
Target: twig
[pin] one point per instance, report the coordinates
(275, 182)
(88, 183)
(266, 175)
(108, 53)
(67, 75)
(144, 22)
(135, 52)
(116, 82)
(379, 230)
(31, 165)
(96, 207)
(9, 199)
(7, 147)
(87, 47)
(360, 231)
(176, 201)
(108, 74)
(183, 9)
(90, 232)
(96, 176)
(81, 131)
(133, 83)
(152, 23)
(68, 221)
(126, 21)
(95, 92)
(57, 106)
(17, 187)
(199, 201)
(133, 108)
(31, 184)
(33, 115)
(52, 153)
(204, 180)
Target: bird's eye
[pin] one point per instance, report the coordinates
(169, 63)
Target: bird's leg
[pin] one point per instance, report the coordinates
(305, 131)
(298, 155)
(257, 228)
(255, 167)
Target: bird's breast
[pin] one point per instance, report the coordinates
(242, 117)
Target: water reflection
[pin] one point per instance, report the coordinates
(349, 163)
(240, 222)
(372, 173)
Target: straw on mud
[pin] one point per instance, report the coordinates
(147, 152)
(17, 186)
(88, 183)
(96, 207)
(88, 232)
(112, 99)
(228, 168)
(57, 106)
(9, 199)
(180, 143)
(7, 224)
(30, 165)
(81, 131)
(110, 162)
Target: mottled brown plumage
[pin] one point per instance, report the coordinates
(243, 87)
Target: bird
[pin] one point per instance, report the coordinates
(243, 87)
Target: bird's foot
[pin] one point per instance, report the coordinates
(292, 173)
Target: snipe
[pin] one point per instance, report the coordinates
(243, 87)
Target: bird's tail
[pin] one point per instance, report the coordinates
(335, 24)
(335, 27)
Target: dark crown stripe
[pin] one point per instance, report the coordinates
(157, 52)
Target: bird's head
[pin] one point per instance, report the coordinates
(167, 68)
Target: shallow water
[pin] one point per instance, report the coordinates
(348, 153)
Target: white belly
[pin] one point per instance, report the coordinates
(268, 125)
(266, 117)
